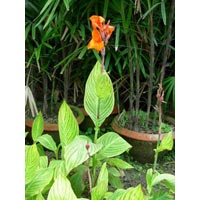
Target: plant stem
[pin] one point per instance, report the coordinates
(151, 65)
(131, 94)
(88, 171)
(160, 96)
(168, 41)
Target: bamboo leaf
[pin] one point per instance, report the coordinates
(163, 12)
(51, 16)
(154, 6)
(117, 37)
(105, 8)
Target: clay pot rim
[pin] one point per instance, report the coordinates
(54, 126)
(134, 134)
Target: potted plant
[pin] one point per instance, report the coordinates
(142, 52)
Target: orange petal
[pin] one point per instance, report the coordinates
(96, 36)
(109, 30)
(95, 45)
(97, 21)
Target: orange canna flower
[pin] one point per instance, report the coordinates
(101, 32)
(96, 42)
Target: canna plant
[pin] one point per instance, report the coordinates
(81, 168)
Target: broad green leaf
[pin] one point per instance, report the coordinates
(149, 179)
(76, 153)
(116, 195)
(61, 190)
(43, 162)
(55, 163)
(101, 188)
(166, 143)
(161, 195)
(133, 193)
(39, 197)
(77, 181)
(67, 124)
(167, 179)
(60, 170)
(113, 145)
(47, 141)
(115, 181)
(38, 126)
(42, 178)
(32, 160)
(99, 95)
(114, 171)
(119, 163)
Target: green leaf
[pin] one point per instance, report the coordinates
(101, 188)
(38, 126)
(32, 160)
(166, 143)
(119, 163)
(161, 195)
(83, 51)
(117, 37)
(133, 193)
(163, 12)
(60, 169)
(61, 190)
(76, 153)
(41, 179)
(115, 181)
(43, 162)
(167, 179)
(105, 8)
(154, 6)
(149, 179)
(52, 15)
(99, 95)
(114, 171)
(113, 145)
(67, 124)
(66, 2)
(47, 141)
(77, 181)
(39, 197)
(46, 5)
(116, 195)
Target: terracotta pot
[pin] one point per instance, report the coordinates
(143, 144)
(52, 129)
